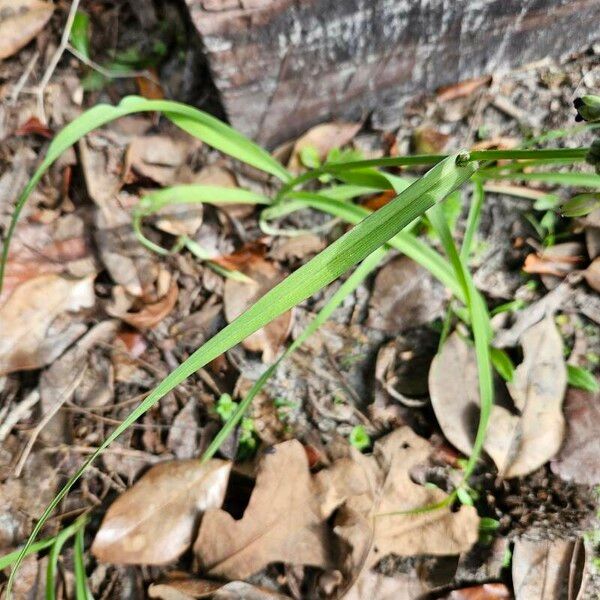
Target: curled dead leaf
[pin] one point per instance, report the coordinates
(462, 88)
(151, 314)
(558, 260)
(579, 457)
(369, 521)
(592, 275)
(487, 591)
(427, 140)
(154, 521)
(40, 249)
(156, 157)
(21, 21)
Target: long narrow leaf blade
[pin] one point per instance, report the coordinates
(327, 266)
(198, 123)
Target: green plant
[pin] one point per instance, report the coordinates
(367, 241)
(580, 377)
(359, 438)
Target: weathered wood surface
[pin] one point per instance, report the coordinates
(283, 65)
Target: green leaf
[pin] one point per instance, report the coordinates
(464, 497)
(580, 205)
(309, 157)
(588, 108)
(198, 123)
(359, 438)
(482, 332)
(324, 268)
(502, 363)
(574, 179)
(82, 591)
(79, 37)
(581, 378)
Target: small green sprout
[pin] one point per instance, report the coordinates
(247, 442)
(225, 407)
(359, 438)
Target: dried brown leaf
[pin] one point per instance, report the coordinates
(21, 21)
(34, 126)
(405, 295)
(592, 275)
(39, 249)
(558, 260)
(365, 521)
(154, 521)
(323, 138)
(282, 522)
(517, 444)
(152, 314)
(156, 157)
(487, 591)
(238, 296)
(36, 323)
(462, 88)
(548, 569)
(579, 457)
(427, 140)
(375, 586)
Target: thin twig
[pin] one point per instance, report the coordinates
(16, 91)
(66, 394)
(17, 413)
(64, 42)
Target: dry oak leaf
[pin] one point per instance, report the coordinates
(238, 296)
(323, 138)
(518, 444)
(154, 522)
(579, 457)
(35, 322)
(546, 569)
(365, 521)
(283, 521)
(20, 22)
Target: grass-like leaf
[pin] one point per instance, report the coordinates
(194, 121)
(370, 234)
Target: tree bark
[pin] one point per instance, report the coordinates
(281, 66)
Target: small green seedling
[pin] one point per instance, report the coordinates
(359, 438)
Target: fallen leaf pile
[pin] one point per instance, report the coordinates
(288, 517)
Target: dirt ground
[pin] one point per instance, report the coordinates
(107, 319)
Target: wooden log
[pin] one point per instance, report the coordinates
(281, 66)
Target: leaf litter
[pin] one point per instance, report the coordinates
(366, 366)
